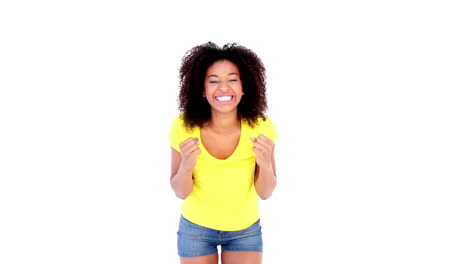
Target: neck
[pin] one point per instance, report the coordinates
(224, 121)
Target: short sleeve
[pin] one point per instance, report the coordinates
(175, 134)
(268, 129)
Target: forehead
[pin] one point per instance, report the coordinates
(222, 67)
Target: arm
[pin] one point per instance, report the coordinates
(182, 164)
(265, 169)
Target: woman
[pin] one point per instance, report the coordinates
(222, 154)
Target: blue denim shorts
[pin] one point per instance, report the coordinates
(194, 240)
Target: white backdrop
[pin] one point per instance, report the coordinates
(369, 98)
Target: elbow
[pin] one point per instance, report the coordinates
(265, 196)
(181, 192)
(182, 195)
(265, 193)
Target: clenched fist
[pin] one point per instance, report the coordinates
(263, 148)
(189, 150)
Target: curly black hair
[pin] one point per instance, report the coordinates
(195, 108)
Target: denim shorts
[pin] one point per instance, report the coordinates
(194, 240)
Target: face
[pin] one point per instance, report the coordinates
(223, 87)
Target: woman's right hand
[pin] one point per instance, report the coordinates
(189, 150)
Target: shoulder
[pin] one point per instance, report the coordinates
(266, 127)
(266, 121)
(176, 124)
(258, 122)
(178, 120)
(179, 126)
(179, 132)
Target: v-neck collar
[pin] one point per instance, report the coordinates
(233, 154)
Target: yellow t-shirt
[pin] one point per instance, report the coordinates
(223, 195)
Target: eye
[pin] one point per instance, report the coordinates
(212, 81)
(233, 80)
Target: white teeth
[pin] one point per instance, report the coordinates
(224, 98)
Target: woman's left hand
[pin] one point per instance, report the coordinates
(263, 148)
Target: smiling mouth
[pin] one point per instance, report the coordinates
(224, 98)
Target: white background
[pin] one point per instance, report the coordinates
(369, 98)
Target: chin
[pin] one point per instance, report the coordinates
(224, 110)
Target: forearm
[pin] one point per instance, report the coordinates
(265, 181)
(182, 183)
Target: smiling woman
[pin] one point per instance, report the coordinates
(222, 154)
(223, 87)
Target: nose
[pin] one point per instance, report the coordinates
(223, 85)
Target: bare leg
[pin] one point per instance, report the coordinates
(210, 259)
(241, 257)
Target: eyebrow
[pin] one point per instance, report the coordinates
(214, 75)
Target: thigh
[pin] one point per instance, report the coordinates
(241, 257)
(249, 239)
(195, 241)
(210, 259)
(244, 246)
